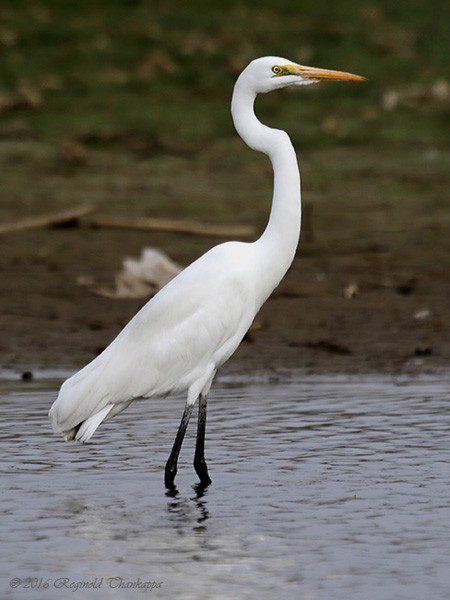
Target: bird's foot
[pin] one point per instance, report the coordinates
(202, 471)
(169, 476)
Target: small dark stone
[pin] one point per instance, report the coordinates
(423, 351)
(407, 288)
(328, 346)
(27, 376)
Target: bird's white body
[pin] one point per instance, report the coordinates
(179, 339)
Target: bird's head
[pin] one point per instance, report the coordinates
(273, 72)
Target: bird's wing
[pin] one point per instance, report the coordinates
(191, 326)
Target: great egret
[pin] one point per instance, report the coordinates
(179, 339)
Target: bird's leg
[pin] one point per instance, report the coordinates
(171, 465)
(199, 457)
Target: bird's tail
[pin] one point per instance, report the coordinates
(84, 430)
(83, 402)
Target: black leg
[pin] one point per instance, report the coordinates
(199, 458)
(171, 465)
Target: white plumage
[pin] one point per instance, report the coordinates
(179, 339)
(175, 342)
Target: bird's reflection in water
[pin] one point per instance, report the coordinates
(189, 511)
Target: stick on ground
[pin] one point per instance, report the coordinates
(191, 227)
(62, 217)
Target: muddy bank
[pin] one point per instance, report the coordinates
(368, 290)
(360, 312)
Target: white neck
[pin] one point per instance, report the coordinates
(280, 238)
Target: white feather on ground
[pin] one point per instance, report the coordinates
(139, 278)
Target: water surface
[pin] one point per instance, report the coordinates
(323, 488)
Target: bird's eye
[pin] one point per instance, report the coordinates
(276, 69)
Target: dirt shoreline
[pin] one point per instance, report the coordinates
(358, 312)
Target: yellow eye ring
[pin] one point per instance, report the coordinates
(276, 69)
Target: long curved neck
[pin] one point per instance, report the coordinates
(281, 236)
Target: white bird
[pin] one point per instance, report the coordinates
(179, 339)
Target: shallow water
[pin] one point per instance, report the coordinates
(323, 488)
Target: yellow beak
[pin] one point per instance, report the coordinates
(319, 74)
